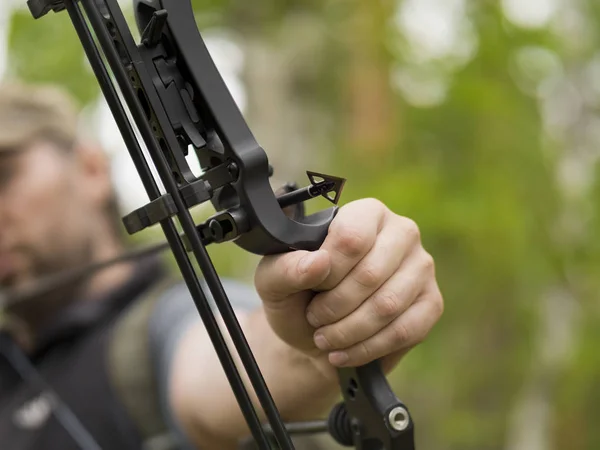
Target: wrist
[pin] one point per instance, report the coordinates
(295, 356)
(312, 383)
(323, 368)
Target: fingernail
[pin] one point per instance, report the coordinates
(312, 319)
(338, 358)
(306, 262)
(321, 342)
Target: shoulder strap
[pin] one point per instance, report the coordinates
(131, 372)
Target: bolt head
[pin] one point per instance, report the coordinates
(399, 418)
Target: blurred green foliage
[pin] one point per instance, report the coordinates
(499, 171)
(49, 51)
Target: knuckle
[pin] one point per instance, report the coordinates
(369, 276)
(373, 204)
(386, 304)
(365, 353)
(288, 272)
(438, 305)
(410, 229)
(324, 313)
(401, 334)
(427, 262)
(339, 338)
(350, 242)
(263, 276)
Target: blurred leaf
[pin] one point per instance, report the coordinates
(48, 50)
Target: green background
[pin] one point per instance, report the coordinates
(487, 136)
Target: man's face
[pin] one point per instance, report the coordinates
(50, 207)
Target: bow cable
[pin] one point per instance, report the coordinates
(115, 60)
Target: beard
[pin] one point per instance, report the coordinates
(45, 286)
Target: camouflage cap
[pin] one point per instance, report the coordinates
(29, 112)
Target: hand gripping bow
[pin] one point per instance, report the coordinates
(179, 101)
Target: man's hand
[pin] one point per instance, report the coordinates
(369, 292)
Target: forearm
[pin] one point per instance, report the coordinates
(302, 387)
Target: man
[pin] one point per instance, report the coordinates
(369, 292)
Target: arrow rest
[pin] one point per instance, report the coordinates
(179, 101)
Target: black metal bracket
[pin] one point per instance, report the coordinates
(154, 30)
(154, 212)
(39, 8)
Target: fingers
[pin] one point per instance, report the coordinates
(391, 300)
(406, 331)
(351, 236)
(397, 240)
(280, 276)
(284, 283)
(377, 294)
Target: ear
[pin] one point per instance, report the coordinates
(93, 165)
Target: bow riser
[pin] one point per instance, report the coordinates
(267, 229)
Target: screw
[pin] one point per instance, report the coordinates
(398, 418)
(216, 230)
(233, 170)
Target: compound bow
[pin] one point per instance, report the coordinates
(179, 101)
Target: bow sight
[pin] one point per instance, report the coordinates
(179, 101)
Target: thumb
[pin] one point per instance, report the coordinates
(279, 276)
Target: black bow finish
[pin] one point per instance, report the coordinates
(179, 103)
